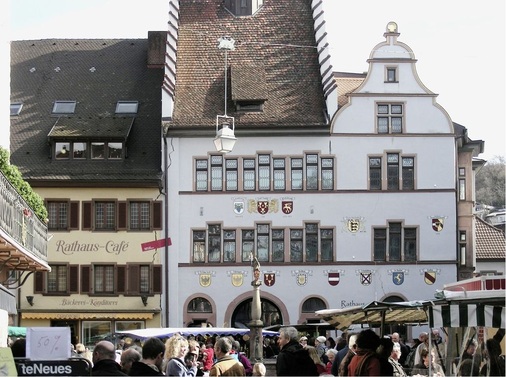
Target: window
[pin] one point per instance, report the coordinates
(105, 215)
(462, 189)
(57, 279)
(408, 173)
(391, 74)
(199, 305)
(249, 176)
(264, 172)
(144, 279)
(462, 246)
(263, 242)
(327, 245)
(214, 239)
(313, 304)
(375, 173)
(296, 245)
(64, 107)
(103, 279)
(79, 150)
(16, 108)
(462, 184)
(229, 245)
(114, 150)
(311, 172)
(57, 215)
(199, 245)
(327, 173)
(63, 215)
(395, 243)
(63, 280)
(296, 167)
(127, 107)
(278, 245)
(392, 171)
(139, 215)
(62, 150)
(279, 174)
(248, 244)
(97, 150)
(394, 178)
(216, 173)
(201, 175)
(243, 7)
(231, 176)
(311, 242)
(389, 118)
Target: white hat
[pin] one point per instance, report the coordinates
(303, 338)
(321, 339)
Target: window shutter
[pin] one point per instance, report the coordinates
(39, 281)
(73, 278)
(74, 216)
(133, 280)
(85, 279)
(157, 216)
(121, 286)
(157, 279)
(87, 216)
(122, 215)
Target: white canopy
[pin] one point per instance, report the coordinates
(166, 332)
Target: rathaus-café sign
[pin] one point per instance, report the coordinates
(110, 247)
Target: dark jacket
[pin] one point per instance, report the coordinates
(294, 360)
(107, 367)
(142, 369)
(337, 360)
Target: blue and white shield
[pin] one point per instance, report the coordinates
(398, 277)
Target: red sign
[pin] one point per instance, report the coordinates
(147, 246)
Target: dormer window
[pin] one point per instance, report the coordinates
(243, 7)
(64, 107)
(391, 74)
(16, 108)
(127, 107)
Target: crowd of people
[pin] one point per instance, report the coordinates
(354, 354)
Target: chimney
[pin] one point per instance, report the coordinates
(157, 41)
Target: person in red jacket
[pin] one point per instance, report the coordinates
(208, 361)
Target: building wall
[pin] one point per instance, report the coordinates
(90, 247)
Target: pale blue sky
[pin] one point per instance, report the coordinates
(459, 44)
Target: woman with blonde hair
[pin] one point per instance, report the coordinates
(313, 354)
(176, 348)
(259, 370)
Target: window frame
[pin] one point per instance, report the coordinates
(389, 116)
(15, 108)
(132, 105)
(387, 238)
(391, 74)
(64, 107)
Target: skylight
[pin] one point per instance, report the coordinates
(127, 107)
(64, 107)
(16, 108)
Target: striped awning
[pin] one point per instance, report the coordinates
(87, 316)
(467, 315)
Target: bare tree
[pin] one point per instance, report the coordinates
(490, 183)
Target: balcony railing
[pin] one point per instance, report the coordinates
(20, 229)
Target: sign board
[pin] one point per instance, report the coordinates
(72, 367)
(7, 367)
(48, 343)
(4, 322)
(147, 246)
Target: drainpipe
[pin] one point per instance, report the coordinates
(166, 223)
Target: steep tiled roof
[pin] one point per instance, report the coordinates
(279, 39)
(490, 241)
(346, 83)
(96, 74)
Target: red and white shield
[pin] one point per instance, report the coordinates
(263, 207)
(287, 206)
(269, 279)
(334, 278)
